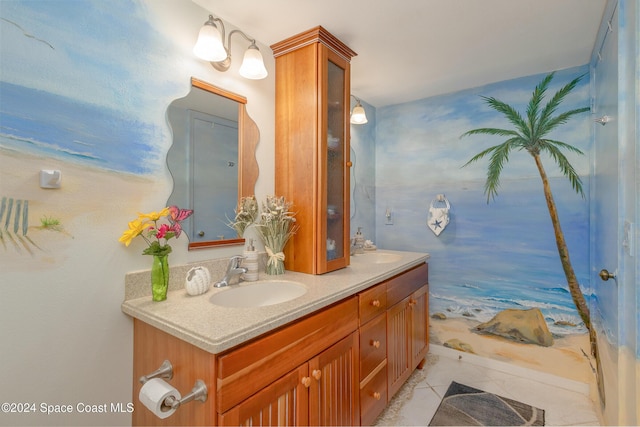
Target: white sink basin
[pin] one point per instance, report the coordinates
(259, 294)
(375, 257)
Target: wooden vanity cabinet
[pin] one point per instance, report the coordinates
(338, 366)
(304, 374)
(407, 326)
(312, 147)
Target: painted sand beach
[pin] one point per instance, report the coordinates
(89, 198)
(567, 357)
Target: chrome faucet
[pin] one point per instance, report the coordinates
(233, 269)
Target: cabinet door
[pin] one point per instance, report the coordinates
(334, 392)
(334, 173)
(283, 403)
(398, 345)
(419, 325)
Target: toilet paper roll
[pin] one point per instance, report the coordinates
(154, 392)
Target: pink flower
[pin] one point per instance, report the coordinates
(162, 231)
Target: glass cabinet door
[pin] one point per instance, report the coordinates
(335, 162)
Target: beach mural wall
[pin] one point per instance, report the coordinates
(63, 103)
(84, 88)
(493, 257)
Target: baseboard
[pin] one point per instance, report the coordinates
(530, 374)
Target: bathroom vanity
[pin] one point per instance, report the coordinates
(334, 356)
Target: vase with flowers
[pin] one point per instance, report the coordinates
(275, 226)
(157, 228)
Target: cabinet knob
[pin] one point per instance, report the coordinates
(375, 343)
(376, 395)
(375, 303)
(349, 164)
(316, 374)
(306, 381)
(412, 302)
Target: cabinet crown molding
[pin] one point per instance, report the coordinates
(315, 35)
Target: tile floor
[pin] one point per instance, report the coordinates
(566, 402)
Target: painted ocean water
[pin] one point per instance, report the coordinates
(495, 256)
(46, 124)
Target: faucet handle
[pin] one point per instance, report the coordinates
(234, 261)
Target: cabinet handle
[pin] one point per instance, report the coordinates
(375, 303)
(306, 381)
(316, 374)
(376, 395)
(375, 343)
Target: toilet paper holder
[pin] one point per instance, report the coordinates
(165, 371)
(198, 392)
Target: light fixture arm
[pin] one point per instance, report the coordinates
(214, 45)
(226, 63)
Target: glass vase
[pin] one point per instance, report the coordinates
(275, 266)
(160, 277)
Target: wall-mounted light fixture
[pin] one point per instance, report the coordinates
(210, 47)
(358, 116)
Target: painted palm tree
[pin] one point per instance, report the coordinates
(531, 134)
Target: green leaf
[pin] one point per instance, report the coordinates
(156, 249)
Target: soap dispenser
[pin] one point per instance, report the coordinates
(250, 262)
(359, 242)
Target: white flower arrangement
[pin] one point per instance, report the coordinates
(276, 225)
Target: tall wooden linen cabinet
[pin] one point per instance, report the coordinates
(312, 147)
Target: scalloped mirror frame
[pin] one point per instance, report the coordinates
(248, 138)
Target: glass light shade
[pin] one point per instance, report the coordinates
(252, 64)
(209, 45)
(358, 116)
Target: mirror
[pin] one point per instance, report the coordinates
(212, 161)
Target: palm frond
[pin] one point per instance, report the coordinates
(555, 102)
(565, 167)
(510, 114)
(481, 154)
(498, 159)
(534, 103)
(564, 145)
(560, 119)
(491, 131)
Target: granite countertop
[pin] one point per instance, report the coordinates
(215, 329)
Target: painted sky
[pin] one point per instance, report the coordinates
(95, 73)
(89, 51)
(431, 128)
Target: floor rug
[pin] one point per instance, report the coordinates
(466, 406)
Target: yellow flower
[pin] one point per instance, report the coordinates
(154, 216)
(136, 227)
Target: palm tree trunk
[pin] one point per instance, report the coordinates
(563, 251)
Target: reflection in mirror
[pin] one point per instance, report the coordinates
(212, 161)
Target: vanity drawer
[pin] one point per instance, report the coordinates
(373, 397)
(372, 302)
(403, 285)
(249, 368)
(373, 345)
